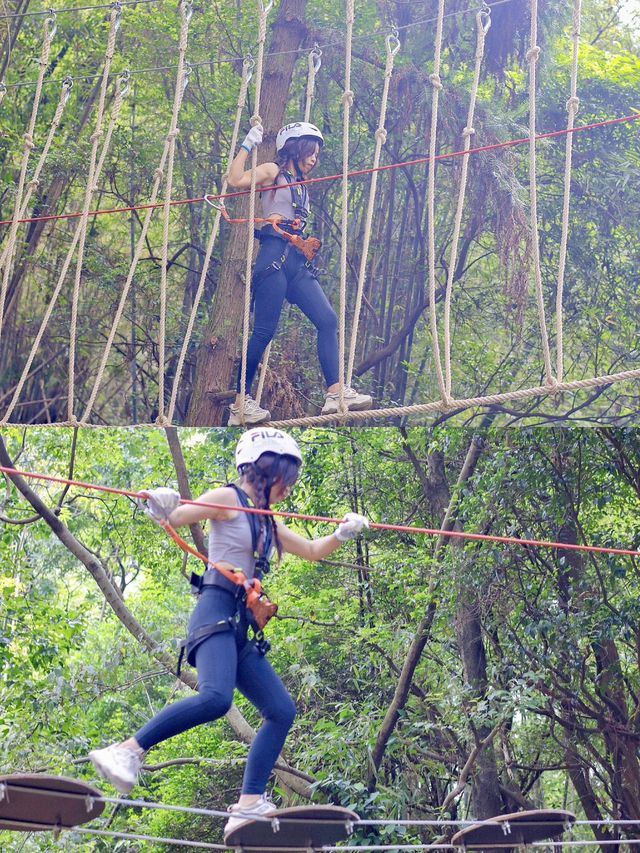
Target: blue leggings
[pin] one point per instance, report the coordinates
(218, 674)
(295, 283)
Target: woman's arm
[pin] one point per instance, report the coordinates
(308, 549)
(240, 176)
(191, 513)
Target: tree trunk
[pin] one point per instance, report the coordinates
(217, 355)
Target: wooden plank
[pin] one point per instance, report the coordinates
(34, 801)
(512, 830)
(295, 828)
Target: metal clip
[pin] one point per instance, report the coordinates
(3, 87)
(52, 25)
(67, 85)
(275, 824)
(348, 825)
(89, 803)
(484, 16)
(211, 200)
(117, 5)
(247, 67)
(506, 828)
(123, 82)
(392, 41)
(187, 9)
(188, 68)
(4, 790)
(315, 57)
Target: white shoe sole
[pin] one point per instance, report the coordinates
(123, 786)
(234, 420)
(353, 407)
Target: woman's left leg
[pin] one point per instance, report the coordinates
(305, 292)
(258, 681)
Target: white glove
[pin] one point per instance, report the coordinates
(254, 137)
(351, 526)
(161, 502)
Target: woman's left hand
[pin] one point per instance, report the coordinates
(351, 526)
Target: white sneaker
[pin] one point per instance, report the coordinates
(352, 399)
(253, 413)
(239, 815)
(119, 765)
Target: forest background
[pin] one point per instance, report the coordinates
(434, 678)
(496, 335)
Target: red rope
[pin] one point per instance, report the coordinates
(421, 160)
(428, 531)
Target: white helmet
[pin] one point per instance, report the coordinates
(255, 442)
(295, 131)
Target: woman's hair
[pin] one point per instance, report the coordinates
(262, 475)
(296, 150)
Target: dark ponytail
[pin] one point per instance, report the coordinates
(296, 150)
(262, 475)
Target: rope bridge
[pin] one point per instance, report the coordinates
(440, 327)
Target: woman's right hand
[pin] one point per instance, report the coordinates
(253, 138)
(161, 502)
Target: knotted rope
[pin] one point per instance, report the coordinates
(32, 185)
(436, 83)
(264, 8)
(185, 14)
(483, 23)
(120, 93)
(247, 73)
(392, 45)
(114, 24)
(347, 103)
(28, 145)
(572, 109)
(533, 54)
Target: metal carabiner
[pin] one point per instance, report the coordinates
(248, 65)
(67, 85)
(117, 5)
(315, 56)
(485, 16)
(51, 20)
(187, 9)
(265, 9)
(392, 41)
(123, 82)
(214, 203)
(188, 68)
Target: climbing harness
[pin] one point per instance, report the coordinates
(259, 608)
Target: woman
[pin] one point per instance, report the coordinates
(281, 270)
(268, 462)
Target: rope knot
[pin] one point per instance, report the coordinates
(255, 119)
(159, 174)
(163, 421)
(33, 184)
(28, 141)
(435, 81)
(381, 134)
(347, 98)
(468, 131)
(573, 103)
(173, 133)
(533, 53)
(95, 136)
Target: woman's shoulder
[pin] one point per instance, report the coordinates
(222, 497)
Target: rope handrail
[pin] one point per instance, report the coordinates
(374, 525)
(354, 173)
(255, 120)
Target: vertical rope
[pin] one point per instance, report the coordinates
(347, 103)
(572, 108)
(120, 93)
(392, 46)
(114, 24)
(28, 145)
(255, 119)
(158, 176)
(247, 73)
(483, 23)
(315, 62)
(186, 11)
(436, 83)
(33, 184)
(533, 54)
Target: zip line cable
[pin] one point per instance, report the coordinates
(374, 525)
(352, 174)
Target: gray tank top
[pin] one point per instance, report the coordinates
(280, 201)
(231, 542)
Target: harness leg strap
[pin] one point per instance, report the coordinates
(197, 637)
